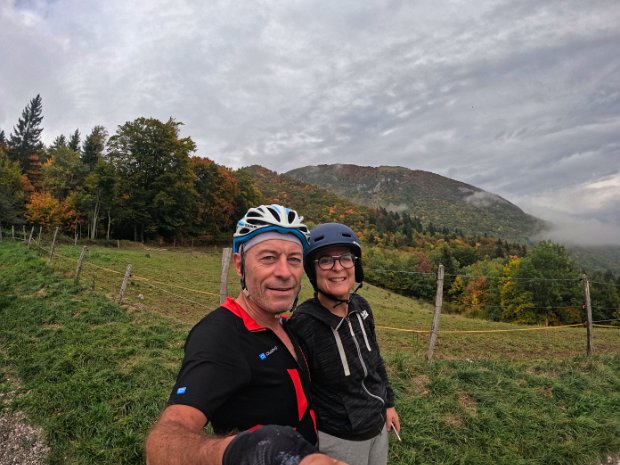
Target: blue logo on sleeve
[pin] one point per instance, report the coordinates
(262, 356)
(181, 390)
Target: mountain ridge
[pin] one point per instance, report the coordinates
(429, 196)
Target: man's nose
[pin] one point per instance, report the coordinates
(283, 267)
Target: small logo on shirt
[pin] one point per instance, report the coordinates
(182, 390)
(364, 314)
(264, 355)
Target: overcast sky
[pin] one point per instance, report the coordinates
(517, 97)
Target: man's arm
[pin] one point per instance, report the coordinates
(177, 438)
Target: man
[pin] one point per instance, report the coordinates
(242, 369)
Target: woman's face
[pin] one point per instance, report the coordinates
(337, 281)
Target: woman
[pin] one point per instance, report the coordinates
(352, 397)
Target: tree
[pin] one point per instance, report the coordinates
(517, 304)
(94, 146)
(550, 280)
(476, 292)
(249, 194)
(60, 141)
(25, 140)
(11, 191)
(47, 211)
(218, 193)
(63, 173)
(74, 141)
(155, 189)
(605, 296)
(97, 198)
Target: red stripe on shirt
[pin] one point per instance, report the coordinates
(302, 401)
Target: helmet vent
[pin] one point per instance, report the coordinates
(276, 214)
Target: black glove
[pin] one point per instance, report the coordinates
(269, 445)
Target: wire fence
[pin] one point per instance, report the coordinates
(187, 296)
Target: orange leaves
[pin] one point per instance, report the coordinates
(45, 210)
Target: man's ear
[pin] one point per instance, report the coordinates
(237, 262)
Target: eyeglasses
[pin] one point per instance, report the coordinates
(326, 262)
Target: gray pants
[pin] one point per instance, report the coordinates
(370, 452)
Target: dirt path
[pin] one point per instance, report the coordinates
(20, 443)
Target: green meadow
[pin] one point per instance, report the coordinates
(94, 374)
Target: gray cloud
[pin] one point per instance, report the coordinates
(518, 97)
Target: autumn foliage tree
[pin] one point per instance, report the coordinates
(43, 209)
(155, 192)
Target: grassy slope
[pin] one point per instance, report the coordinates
(95, 375)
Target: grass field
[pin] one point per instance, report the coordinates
(95, 374)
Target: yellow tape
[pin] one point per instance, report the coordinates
(481, 330)
(401, 329)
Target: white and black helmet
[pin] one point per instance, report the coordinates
(268, 218)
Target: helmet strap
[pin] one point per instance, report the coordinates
(242, 280)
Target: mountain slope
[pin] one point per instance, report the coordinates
(315, 203)
(429, 196)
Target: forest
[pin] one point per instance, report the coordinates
(145, 183)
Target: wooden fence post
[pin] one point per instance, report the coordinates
(226, 255)
(121, 294)
(30, 237)
(13, 231)
(39, 241)
(0, 231)
(436, 316)
(53, 245)
(586, 288)
(24, 233)
(78, 269)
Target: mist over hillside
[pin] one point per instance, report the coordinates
(429, 196)
(454, 204)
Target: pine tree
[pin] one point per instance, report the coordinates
(93, 148)
(74, 141)
(60, 141)
(26, 138)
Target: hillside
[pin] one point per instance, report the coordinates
(347, 193)
(604, 258)
(431, 197)
(315, 203)
(94, 375)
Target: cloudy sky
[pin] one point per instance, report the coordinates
(517, 97)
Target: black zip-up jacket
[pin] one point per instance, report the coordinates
(350, 388)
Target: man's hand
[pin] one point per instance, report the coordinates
(269, 445)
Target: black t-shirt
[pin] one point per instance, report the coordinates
(241, 375)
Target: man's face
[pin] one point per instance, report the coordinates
(273, 271)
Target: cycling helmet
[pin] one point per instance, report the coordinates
(329, 235)
(268, 218)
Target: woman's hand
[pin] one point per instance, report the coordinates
(391, 419)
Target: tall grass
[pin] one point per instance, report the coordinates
(95, 375)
